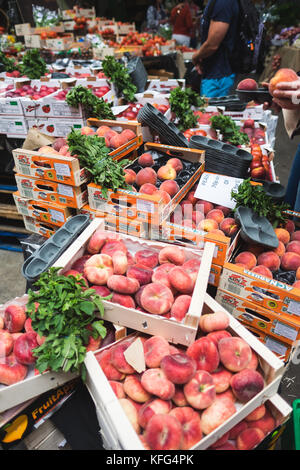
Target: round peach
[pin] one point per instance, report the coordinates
(179, 398)
(11, 371)
(14, 318)
(216, 336)
(226, 210)
(130, 176)
(266, 423)
(280, 250)
(152, 407)
(190, 424)
(166, 172)
(246, 384)
(216, 414)
(111, 246)
(263, 270)
(290, 261)
(298, 274)
(237, 429)
(164, 432)
(204, 206)
(235, 353)
(295, 235)
(229, 226)
(147, 258)
(170, 186)
(171, 254)
(293, 246)
(123, 284)
(157, 298)
(283, 235)
(118, 388)
(146, 175)
(131, 413)
(118, 360)
(163, 196)
(249, 438)
(123, 299)
(146, 159)
(214, 322)
(215, 214)
(191, 197)
(155, 349)
(142, 273)
(175, 163)
(205, 354)
(120, 262)
(6, 343)
(297, 284)
(290, 226)
(256, 414)
(221, 379)
(269, 259)
(247, 258)
(133, 388)
(179, 368)
(96, 242)
(181, 306)
(148, 188)
(98, 269)
(180, 280)
(207, 225)
(156, 383)
(200, 391)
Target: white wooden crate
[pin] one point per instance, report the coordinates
(117, 431)
(177, 332)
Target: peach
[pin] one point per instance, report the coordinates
(181, 306)
(104, 360)
(155, 349)
(137, 296)
(11, 371)
(293, 246)
(205, 354)
(214, 321)
(297, 284)
(289, 226)
(270, 260)
(283, 235)
(192, 267)
(247, 84)
(146, 175)
(152, 407)
(129, 134)
(295, 235)
(143, 441)
(246, 384)
(141, 273)
(215, 214)
(227, 395)
(170, 186)
(282, 75)
(197, 217)
(253, 364)
(119, 261)
(186, 208)
(96, 242)
(179, 398)
(235, 353)
(156, 383)
(148, 258)
(98, 269)
(200, 391)
(226, 446)
(164, 432)
(117, 141)
(180, 280)
(6, 343)
(226, 210)
(148, 188)
(220, 441)
(216, 414)
(112, 245)
(280, 250)
(14, 318)
(256, 414)
(157, 298)
(24, 348)
(134, 389)
(266, 424)
(246, 258)
(118, 388)
(176, 164)
(191, 197)
(79, 264)
(262, 270)
(85, 130)
(237, 429)
(130, 176)
(123, 299)
(216, 336)
(118, 360)
(27, 325)
(207, 225)
(229, 226)
(163, 196)
(102, 130)
(131, 413)
(204, 206)
(221, 379)
(171, 254)
(79, 277)
(190, 424)
(166, 172)
(101, 290)
(249, 438)
(145, 160)
(178, 368)
(254, 248)
(290, 261)
(298, 274)
(123, 284)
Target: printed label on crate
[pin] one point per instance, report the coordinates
(281, 329)
(294, 307)
(62, 169)
(145, 206)
(56, 215)
(65, 190)
(63, 109)
(275, 346)
(217, 188)
(11, 107)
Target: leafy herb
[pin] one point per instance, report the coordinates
(9, 64)
(255, 197)
(66, 316)
(33, 65)
(118, 74)
(229, 129)
(93, 106)
(181, 102)
(93, 155)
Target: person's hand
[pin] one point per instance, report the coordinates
(198, 68)
(287, 95)
(195, 58)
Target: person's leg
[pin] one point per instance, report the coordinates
(292, 195)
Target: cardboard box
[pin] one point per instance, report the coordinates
(281, 327)
(51, 191)
(42, 211)
(34, 41)
(143, 207)
(178, 332)
(163, 85)
(100, 52)
(59, 44)
(55, 127)
(118, 433)
(49, 167)
(13, 126)
(34, 225)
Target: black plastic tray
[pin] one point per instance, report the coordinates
(255, 229)
(260, 96)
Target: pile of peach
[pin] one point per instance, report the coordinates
(184, 394)
(285, 257)
(113, 138)
(17, 342)
(205, 216)
(161, 183)
(159, 282)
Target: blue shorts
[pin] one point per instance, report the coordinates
(216, 87)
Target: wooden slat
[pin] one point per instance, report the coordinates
(9, 211)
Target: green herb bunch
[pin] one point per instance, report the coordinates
(33, 65)
(229, 129)
(65, 314)
(92, 153)
(9, 63)
(118, 74)
(255, 197)
(93, 106)
(181, 102)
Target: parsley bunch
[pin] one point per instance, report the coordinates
(33, 65)
(181, 102)
(255, 197)
(9, 63)
(118, 74)
(66, 316)
(230, 131)
(93, 106)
